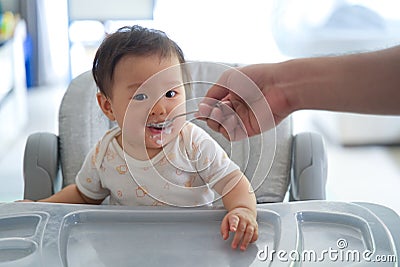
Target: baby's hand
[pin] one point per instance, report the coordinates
(243, 222)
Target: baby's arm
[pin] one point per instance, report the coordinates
(240, 202)
(70, 194)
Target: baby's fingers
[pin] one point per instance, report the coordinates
(248, 237)
(233, 222)
(240, 230)
(229, 224)
(225, 228)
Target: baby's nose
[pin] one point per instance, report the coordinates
(158, 109)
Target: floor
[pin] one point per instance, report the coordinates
(363, 173)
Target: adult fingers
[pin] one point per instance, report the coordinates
(219, 90)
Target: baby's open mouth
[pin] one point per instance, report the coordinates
(160, 127)
(157, 130)
(157, 126)
(168, 123)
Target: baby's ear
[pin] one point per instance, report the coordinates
(105, 105)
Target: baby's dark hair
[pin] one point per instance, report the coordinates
(136, 41)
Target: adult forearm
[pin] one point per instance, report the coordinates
(364, 83)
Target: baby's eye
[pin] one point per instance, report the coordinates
(170, 94)
(140, 97)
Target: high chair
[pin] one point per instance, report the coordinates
(296, 171)
(290, 233)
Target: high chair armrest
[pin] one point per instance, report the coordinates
(40, 167)
(309, 171)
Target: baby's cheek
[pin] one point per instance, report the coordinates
(135, 120)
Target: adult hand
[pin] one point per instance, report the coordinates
(244, 102)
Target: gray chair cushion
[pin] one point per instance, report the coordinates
(82, 124)
(272, 161)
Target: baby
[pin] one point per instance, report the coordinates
(141, 77)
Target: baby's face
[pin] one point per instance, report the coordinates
(147, 90)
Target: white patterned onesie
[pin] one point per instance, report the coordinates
(182, 174)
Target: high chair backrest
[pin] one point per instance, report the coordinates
(82, 124)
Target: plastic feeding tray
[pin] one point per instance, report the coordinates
(314, 233)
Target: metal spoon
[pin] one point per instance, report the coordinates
(168, 123)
